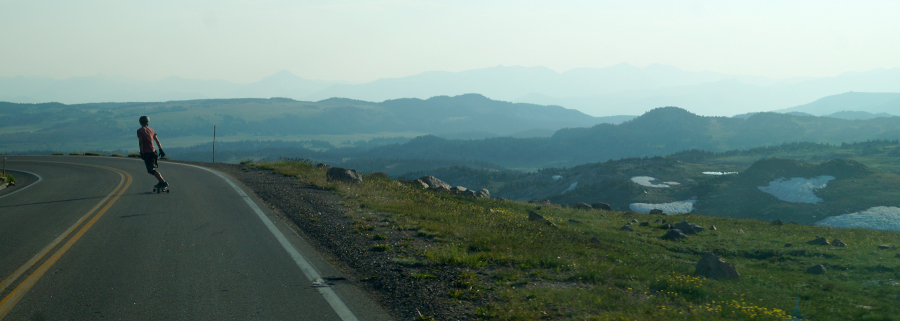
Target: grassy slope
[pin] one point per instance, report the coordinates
(519, 269)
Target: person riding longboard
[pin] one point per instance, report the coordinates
(146, 136)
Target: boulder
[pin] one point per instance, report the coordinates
(419, 183)
(816, 269)
(483, 193)
(323, 165)
(688, 228)
(674, 234)
(819, 241)
(434, 183)
(343, 175)
(659, 220)
(635, 221)
(667, 226)
(626, 228)
(778, 222)
(838, 243)
(884, 247)
(713, 267)
(469, 193)
(713, 228)
(582, 206)
(532, 216)
(645, 224)
(657, 211)
(601, 206)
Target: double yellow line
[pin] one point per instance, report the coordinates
(92, 216)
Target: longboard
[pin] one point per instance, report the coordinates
(158, 190)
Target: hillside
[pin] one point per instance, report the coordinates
(872, 103)
(109, 126)
(661, 131)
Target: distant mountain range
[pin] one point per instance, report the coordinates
(183, 123)
(617, 90)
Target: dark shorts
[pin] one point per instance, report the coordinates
(150, 159)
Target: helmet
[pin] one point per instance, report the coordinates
(144, 120)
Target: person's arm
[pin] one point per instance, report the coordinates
(161, 152)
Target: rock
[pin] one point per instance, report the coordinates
(470, 193)
(626, 228)
(778, 222)
(532, 216)
(458, 189)
(634, 221)
(688, 228)
(574, 221)
(601, 206)
(483, 193)
(667, 226)
(713, 228)
(838, 243)
(819, 241)
(658, 220)
(2, 179)
(323, 165)
(884, 247)
(713, 267)
(551, 224)
(419, 183)
(434, 183)
(816, 269)
(788, 244)
(12, 183)
(343, 175)
(582, 206)
(897, 256)
(657, 212)
(674, 234)
(537, 208)
(645, 224)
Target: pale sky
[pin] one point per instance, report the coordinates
(357, 40)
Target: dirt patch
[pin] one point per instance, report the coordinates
(393, 277)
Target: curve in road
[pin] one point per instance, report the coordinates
(197, 253)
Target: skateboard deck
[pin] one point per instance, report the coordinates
(158, 190)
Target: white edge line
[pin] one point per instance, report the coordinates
(29, 185)
(327, 293)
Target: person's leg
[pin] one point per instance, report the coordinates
(159, 177)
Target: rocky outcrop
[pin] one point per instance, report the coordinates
(674, 234)
(838, 243)
(601, 206)
(343, 175)
(483, 193)
(657, 211)
(434, 183)
(819, 241)
(688, 228)
(713, 267)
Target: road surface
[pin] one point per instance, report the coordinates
(84, 237)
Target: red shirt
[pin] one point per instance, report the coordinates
(145, 136)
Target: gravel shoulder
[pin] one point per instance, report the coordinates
(319, 216)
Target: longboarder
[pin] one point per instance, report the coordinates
(146, 136)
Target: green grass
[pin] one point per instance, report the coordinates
(522, 270)
(9, 177)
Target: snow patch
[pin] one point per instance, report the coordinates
(556, 177)
(646, 181)
(680, 207)
(719, 173)
(571, 187)
(876, 218)
(797, 189)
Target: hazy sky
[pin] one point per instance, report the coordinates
(356, 40)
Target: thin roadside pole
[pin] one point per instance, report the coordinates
(4, 165)
(214, 144)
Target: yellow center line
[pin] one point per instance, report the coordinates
(13, 298)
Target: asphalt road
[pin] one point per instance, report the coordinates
(85, 238)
